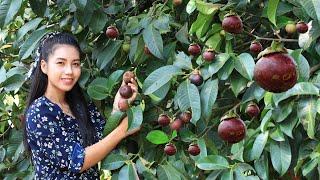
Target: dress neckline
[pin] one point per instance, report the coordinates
(60, 109)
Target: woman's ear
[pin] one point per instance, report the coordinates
(44, 66)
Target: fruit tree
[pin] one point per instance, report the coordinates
(227, 89)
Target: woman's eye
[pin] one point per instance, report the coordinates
(76, 64)
(60, 62)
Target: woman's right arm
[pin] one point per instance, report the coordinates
(96, 152)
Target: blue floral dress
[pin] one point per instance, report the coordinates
(56, 143)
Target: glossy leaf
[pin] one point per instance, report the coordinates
(309, 166)
(135, 117)
(157, 137)
(113, 79)
(265, 121)
(288, 124)
(282, 111)
(14, 82)
(182, 34)
(312, 8)
(302, 88)
(188, 96)
(8, 10)
(207, 8)
(167, 172)
(259, 144)
(113, 161)
(212, 162)
(39, 7)
(183, 61)
(159, 77)
(218, 62)
(272, 11)
(128, 172)
(113, 122)
(201, 25)
(307, 110)
(244, 64)
(191, 6)
(80, 4)
(238, 83)
(31, 25)
(208, 96)
(253, 92)
(226, 70)
(107, 54)
(276, 134)
(214, 42)
(153, 41)
(261, 166)
(30, 44)
(280, 153)
(98, 88)
(303, 65)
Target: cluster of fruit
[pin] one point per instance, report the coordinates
(125, 91)
(183, 118)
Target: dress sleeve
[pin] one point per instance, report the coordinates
(98, 121)
(49, 139)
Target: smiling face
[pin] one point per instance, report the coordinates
(62, 68)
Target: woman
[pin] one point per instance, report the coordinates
(62, 132)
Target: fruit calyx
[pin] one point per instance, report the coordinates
(275, 47)
(229, 115)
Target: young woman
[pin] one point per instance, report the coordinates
(63, 133)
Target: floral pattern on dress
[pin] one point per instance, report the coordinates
(56, 143)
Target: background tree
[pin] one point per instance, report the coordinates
(192, 60)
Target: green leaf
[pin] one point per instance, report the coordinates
(289, 123)
(253, 92)
(214, 42)
(245, 172)
(201, 25)
(31, 25)
(303, 65)
(153, 40)
(39, 7)
(135, 117)
(238, 83)
(13, 144)
(191, 6)
(98, 88)
(137, 55)
(306, 39)
(208, 96)
(183, 61)
(178, 170)
(277, 134)
(244, 64)
(2, 74)
(318, 106)
(282, 111)
(312, 8)
(207, 8)
(108, 53)
(2, 154)
(14, 82)
(259, 144)
(302, 88)
(80, 4)
(8, 10)
(272, 11)
(187, 136)
(226, 70)
(262, 166)
(237, 151)
(265, 121)
(280, 153)
(218, 62)
(157, 137)
(215, 174)
(29, 45)
(212, 162)
(161, 93)
(98, 22)
(113, 161)
(113, 122)
(113, 79)
(188, 96)
(167, 172)
(159, 77)
(309, 166)
(128, 172)
(307, 110)
(182, 34)
(162, 23)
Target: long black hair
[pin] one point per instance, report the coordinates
(75, 97)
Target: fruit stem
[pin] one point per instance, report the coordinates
(314, 69)
(234, 109)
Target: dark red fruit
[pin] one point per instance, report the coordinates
(256, 47)
(127, 76)
(112, 32)
(194, 149)
(208, 55)
(170, 149)
(194, 49)
(276, 72)
(177, 2)
(185, 117)
(196, 78)
(176, 124)
(146, 50)
(126, 91)
(290, 28)
(232, 24)
(232, 130)
(123, 105)
(302, 27)
(253, 110)
(163, 120)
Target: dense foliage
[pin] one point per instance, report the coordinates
(153, 42)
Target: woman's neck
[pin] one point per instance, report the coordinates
(56, 98)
